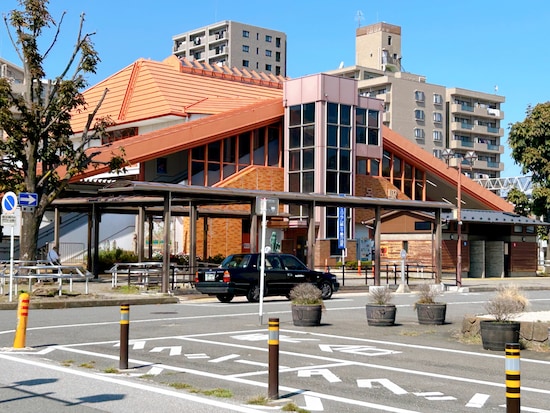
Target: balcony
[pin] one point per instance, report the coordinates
(488, 148)
(461, 144)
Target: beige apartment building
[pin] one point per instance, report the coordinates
(232, 44)
(433, 116)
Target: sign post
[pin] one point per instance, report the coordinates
(267, 206)
(9, 205)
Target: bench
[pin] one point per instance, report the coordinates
(42, 272)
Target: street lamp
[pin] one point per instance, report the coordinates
(469, 157)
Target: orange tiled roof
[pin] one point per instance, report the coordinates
(187, 135)
(414, 153)
(148, 89)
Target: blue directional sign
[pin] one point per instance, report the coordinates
(9, 203)
(29, 199)
(341, 228)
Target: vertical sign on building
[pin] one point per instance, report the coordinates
(342, 228)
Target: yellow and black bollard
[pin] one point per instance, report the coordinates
(124, 335)
(273, 341)
(512, 378)
(22, 316)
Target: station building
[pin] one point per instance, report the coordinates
(183, 122)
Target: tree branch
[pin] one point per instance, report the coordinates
(54, 41)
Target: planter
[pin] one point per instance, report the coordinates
(307, 315)
(431, 313)
(495, 334)
(380, 315)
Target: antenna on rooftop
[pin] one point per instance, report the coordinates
(496, 89)
(359, 17)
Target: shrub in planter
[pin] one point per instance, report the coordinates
(380, 311)
(428, 310)
(501, 329)
(307, 305)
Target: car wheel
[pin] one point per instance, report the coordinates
(225, 298)
(253, 295)
(326, 290)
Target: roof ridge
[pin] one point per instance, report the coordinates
(231, 73)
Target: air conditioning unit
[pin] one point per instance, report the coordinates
(197, 41)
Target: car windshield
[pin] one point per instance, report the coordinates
(236, 261)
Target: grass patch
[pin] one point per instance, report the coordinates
(146, 376)
(258, 401)
(88, 365)
(410, 333)
(222, 393)
(292, 407)
(469, 338)
(181, 386)
(67, 363)
(110, 370)
(127, 289)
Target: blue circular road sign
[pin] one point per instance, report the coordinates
(9, 203)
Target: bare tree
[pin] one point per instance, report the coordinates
(38, 152)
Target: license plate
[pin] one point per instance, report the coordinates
(210, 276)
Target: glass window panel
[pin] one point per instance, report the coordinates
(295, 113)
(345, 137)
(213, 173)
(332, 212)
(361, 135)
(244, 149)
(229, 149)
(332, 228)
(258, 142)
(309, 136)
(374, 137)
(309, 113)
(361, 166)
(345, 160)
(308, 182)
(397, 169)
(345, 115)
(418, 191)
(375, 167)
(214, 150)
(332, 135)
(332, 159)
(332, 113)
(373, 118)
(294, 161)
(273, 147)
(408, 171)
(345, 183)
(294, 138)
(332, 182)
(294, 210)
(308, 159)
(197, 173)
(407, 188)
(386, 166)
(294, 182)
(197, 154)
(361, 116)
(228, 170)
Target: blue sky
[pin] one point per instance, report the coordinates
(468, 44)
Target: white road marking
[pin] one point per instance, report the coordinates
(258, 363)
(224, 358)
(434, 396)
(136, 344)
(388, 384)
(265, 336)
(326, 373)
(353, 349)
(313, 404)
(197, 356)
(174, 350)
(478, 400)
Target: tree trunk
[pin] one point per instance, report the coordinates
(30, 224)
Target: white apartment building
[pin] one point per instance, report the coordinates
(232, 44)
(433, 116)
